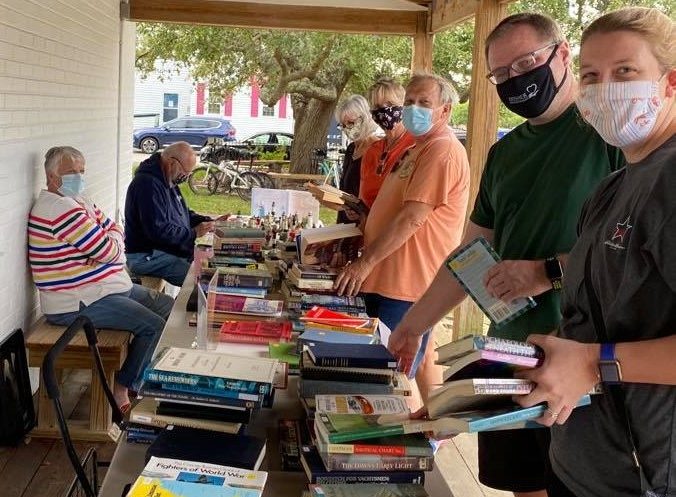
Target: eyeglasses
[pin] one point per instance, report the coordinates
(520, 65)
(350, 124)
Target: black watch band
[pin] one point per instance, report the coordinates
(554, 272)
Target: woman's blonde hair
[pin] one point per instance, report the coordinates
(655, 27)
(357, 106)
(386, 89)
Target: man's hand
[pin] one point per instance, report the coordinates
(510, 280)
(203, 228)
(351, 278)
(569, 371)
(404, 344)
(224, 217)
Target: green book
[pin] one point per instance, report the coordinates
(285, 352)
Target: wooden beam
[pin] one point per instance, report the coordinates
(481, 134)
(446, 13)
(265, 16)
(423, 45)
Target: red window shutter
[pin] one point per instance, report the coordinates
(200, 98)
(227, 106)
(282, 107)
(255, 92)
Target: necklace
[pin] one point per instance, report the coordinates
(386, 153)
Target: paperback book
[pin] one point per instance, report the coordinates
(235, 304)
(330, 245)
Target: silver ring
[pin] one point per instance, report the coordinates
(551, 413)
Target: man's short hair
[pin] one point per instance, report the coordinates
(544, 26)
(447, 92)
(55, 155)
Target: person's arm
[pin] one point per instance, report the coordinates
(407, 221)
(511, 279)
(571, 369)
(443, 295)
(196, 218)
(82, 232)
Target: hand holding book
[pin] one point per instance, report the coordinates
(511, 280)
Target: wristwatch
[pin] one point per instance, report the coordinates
(609, 366)
(554, 272)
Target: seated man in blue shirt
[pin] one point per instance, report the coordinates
(160, 230)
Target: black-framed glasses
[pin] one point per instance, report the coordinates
(350, 124)
(520, 65)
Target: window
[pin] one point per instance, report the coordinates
(284, 140)
(170, 107)
(260, 139)
(268, 111)
(177, 124)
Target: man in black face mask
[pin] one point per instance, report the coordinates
(533, 186)
(159, 229)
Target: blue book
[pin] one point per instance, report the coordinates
(315, 335)
(228, 394)
(206, 383)
(170, 393)
(236, 290)
(351, 355)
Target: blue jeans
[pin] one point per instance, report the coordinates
(141, 311)
(391, 311)
(170, 268)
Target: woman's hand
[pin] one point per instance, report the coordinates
(352, 277)
(569, 371)
(510, 280)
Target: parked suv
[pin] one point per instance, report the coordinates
(192, 129)
(269, 141)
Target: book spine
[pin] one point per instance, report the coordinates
(378, 450)
(237, 280)
(415, 477)
(306, 284)
(310, 388)
(506, 419)
(213, 384)
(518, 360)
(228, 394)
(507, 346)
(355, 362)
(160, 393)
(336, 375)
(346, 462)
(366, 433)
(242, 338)
(313, 276)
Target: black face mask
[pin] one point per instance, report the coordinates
(180, 179)
(387, 117)
(530, 94)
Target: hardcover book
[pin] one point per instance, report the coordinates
(322, 315)
(352, 356)
(311, 371)
(471, 343)
(189, 444)
(373, 462)
(155, 390)
(314, 271)
(206, 412)
(145, 412)
(313, 335)
(237, 277)
(469, 265)
(255, 331)
(235, 304)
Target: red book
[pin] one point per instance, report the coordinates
(255, 331)
(325, 316)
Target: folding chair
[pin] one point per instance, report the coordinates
(82, 484)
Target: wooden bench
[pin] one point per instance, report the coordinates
(281, 178)
(113, 349)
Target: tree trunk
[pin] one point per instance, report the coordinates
(309, 133)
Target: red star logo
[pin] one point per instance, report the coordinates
(621, 229)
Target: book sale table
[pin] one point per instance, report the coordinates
(129, 458)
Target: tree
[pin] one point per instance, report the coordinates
(313, 68)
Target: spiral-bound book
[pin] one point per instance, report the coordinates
(469, 265)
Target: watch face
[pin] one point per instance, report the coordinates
(610, 371)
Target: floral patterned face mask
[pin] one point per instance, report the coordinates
(623, 113)
(387, 117)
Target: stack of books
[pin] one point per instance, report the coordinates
(238, 242)
(336, 199)
(346, 445)
(340, 368)
(201, 389)
(163, 477)
(323, 325)
(331, 246)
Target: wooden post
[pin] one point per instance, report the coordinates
(423, 44)
(481, 134)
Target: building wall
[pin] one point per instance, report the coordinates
(60, 83)
(244, 109)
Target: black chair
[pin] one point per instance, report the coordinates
(82, 484)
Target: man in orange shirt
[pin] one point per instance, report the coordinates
(417, 218)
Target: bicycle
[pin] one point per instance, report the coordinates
(329, 167)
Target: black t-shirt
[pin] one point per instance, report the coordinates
(350, 178)
(629, 225)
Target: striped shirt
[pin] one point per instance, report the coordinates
(76, 253)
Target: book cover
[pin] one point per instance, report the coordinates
(471, 343)
(352, 356)
(145, 412)
(368, 490)
(373, 462)
(251, 394)
(330, 245)
(206, 412)
(190, 444)
(317, 473)
(475, 393)
(361, 404)
(237, 277)
(314, 335)
(487, 364)
(318, 314)
(255, 331)
(188, 471)
(310, 388)
(339, 428)
(314, 271)
(242, 291)
(155, 390)
(469, 265)
(285, 352)
(180, 365)
(236, 304)
(207, 486)
(310, 284)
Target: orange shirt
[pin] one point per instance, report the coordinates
(436, 173)
(370, 181)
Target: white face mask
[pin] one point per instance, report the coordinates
(355, 132)
(623, 113)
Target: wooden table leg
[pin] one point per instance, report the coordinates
(100, 413)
